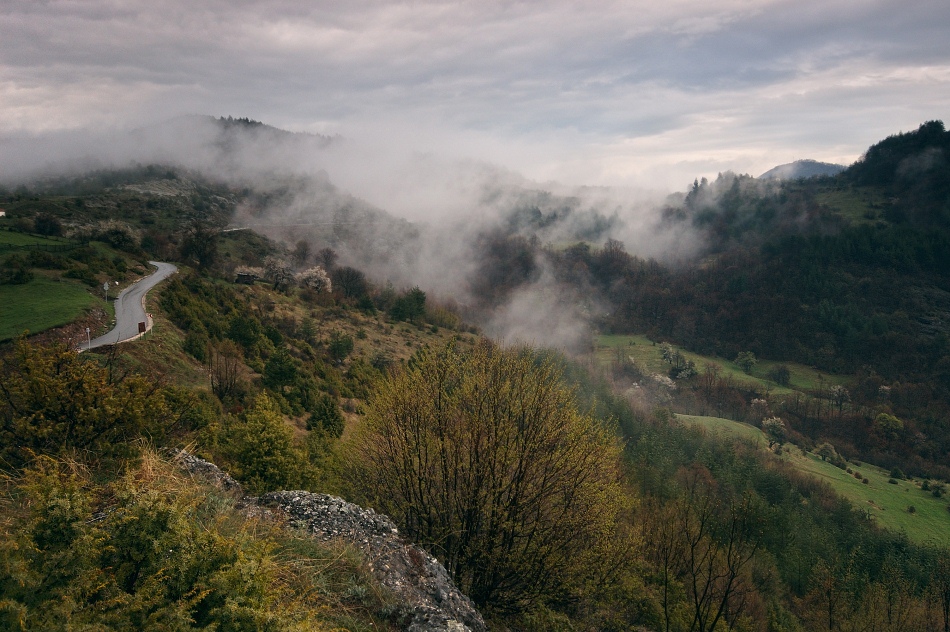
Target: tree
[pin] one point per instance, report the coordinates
(840, 396)
(350, 282)
(47, 224)
(278, 271)
(326, 416)
(746, 361)
(280, 370)
(827, 452)
(887, 427)
(315, 279)
(224, 363)
(780, 374)
(262, 447)
(200, 243)
(301, 252)
(339, 346)
(774, 428)
(718, 547)
(482, 456)
(327, 257)
(410, 306)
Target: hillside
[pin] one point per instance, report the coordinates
(802, 169)
(308, 359)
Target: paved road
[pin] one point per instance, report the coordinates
(130, 308)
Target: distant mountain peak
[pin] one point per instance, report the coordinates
(802, 169)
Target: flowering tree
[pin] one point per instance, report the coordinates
(314, 278)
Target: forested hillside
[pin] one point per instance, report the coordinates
(561, 492)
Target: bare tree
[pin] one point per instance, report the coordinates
(327, 257)
(224, 361)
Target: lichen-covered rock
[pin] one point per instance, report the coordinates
(430, 598)
(206, 470)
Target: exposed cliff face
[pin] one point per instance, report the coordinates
(430, 600)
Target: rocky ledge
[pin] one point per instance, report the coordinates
(429, 599)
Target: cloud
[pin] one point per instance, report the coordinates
(608, 92)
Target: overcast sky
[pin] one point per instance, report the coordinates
(642, 93)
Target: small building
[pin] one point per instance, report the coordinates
(245, 278)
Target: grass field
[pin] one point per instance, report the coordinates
(862, 207)
(647, 352)
(10, 238)
(886, 503)
(727, 428)
(40, 304)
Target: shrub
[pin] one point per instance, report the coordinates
(55, 400)
(339, 346)
(780, 374)
(262, 448)
(326, 416)
(499, 442)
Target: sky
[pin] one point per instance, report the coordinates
(629, 93)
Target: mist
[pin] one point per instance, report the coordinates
(403, 216)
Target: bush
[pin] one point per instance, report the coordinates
(55, 400)
(150, 551)
(498, 440)
(326, 416)
(262, 448)
(339, 346)
(780, 374)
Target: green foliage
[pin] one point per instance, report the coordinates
(482, 456)
(54, 401)
(339, 346)
(746, 361)
(150, 551)
(410, 306)
(327, 417)
(261, 448)
(280, 370)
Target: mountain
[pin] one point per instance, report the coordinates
(802, 169)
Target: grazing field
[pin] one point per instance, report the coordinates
(10, 238)
(41, 304)
(888, 504)
(726, 428)
(648, 353)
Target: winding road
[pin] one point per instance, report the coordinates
(130, 308)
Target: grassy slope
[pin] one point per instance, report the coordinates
(886, 503)
(647, 352)
(41, 304)
(10, 238)
(859, 206)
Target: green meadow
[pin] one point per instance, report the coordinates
(648, 354)
(41, 304)
(888, 504)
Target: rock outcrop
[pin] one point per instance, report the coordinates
(430, 601)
